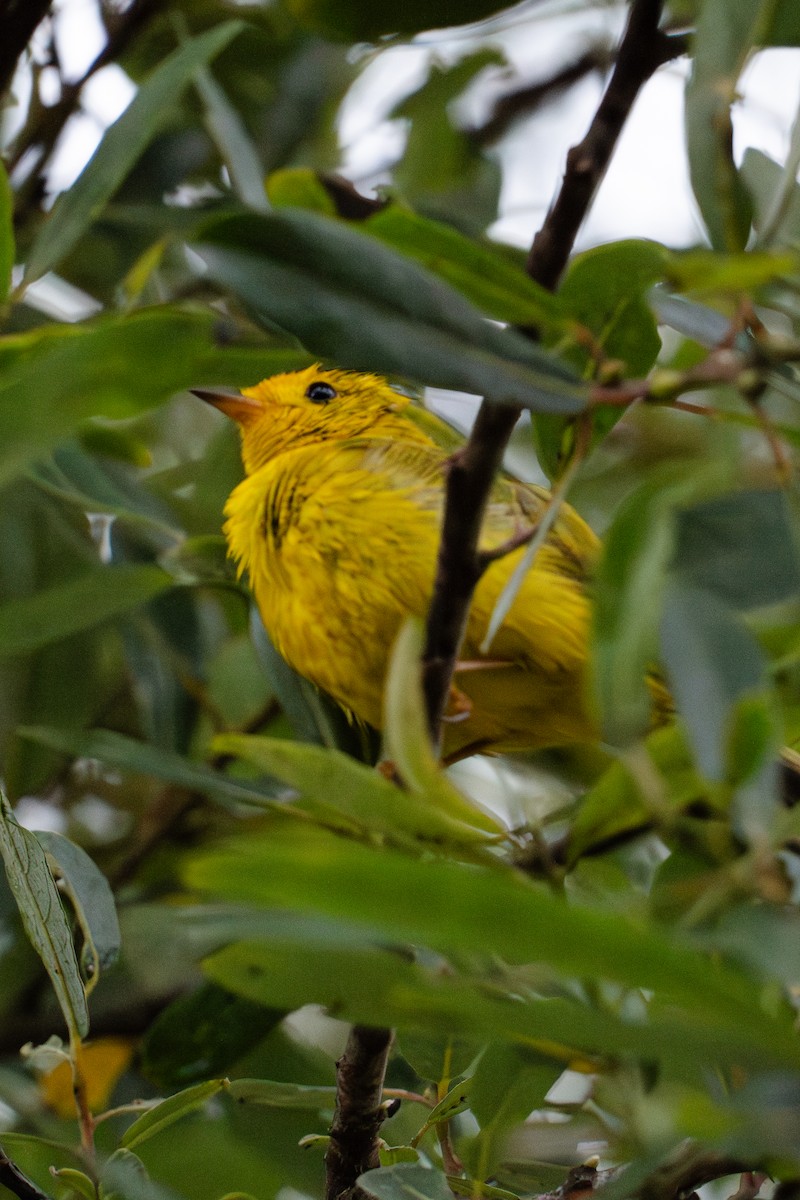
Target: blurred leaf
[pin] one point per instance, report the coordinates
(712, 661)
(78, 1181)
(43, 916)
(7, 246)
(615, 806)
(409, 745)
(53, 378)
(726, 32)
(451, 907)
(741, 547)
(605, 290)
(438, 1058)
(165, 1114)
(203, 1033)
(358, 21)
(299, 187)
(121, 146)
(233, 142)
(629, 585)
(443, 169)
(375, 310)
(704, 271)
(91, 898)
(405, 1181)
(124, 1177)
(776, 193)
(697, 321)
(479, 270)
(371, 985)
(282, 1095)
(509, 1082)
(82, 603)
(127, 754)
(337, 783)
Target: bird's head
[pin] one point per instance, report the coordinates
(301, 407)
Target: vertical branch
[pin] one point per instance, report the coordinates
(359, 1113)
(643, 48)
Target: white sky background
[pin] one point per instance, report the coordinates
(646, 192)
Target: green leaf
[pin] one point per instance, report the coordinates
(43, 917)
(712, 661)
(203, 1033)
(726, 32)
(7, 246)
(741, 547)
(82, 603)
(776, 195)
(78, 1181)
(373, 985)
(479, 270)
(409, 746)
(337, 784)
(451, 907)
(376, 310)
(128, 754)
(456, 1101)
(165, 1114)
(299, 187)
(405, 1181)
(91, 898)
(615, 806)
(629, 584)
(509, 1083)
(55, 377)
(120, 148)
(728, 274)
(233, 142)
(358, 21)
(282, 1095)
(125, 1177)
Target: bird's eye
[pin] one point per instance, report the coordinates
(320, 393)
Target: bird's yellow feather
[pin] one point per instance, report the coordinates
(337, 526)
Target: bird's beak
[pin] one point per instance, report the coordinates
(240, 408)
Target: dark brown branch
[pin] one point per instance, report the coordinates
(18, 1184)
(18, 20)
(643, 48)
(359, 1111)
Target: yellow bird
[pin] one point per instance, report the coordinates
(337, 525)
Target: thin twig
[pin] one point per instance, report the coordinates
(18, 21)
(643, 48)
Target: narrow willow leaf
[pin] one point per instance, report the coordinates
(92, 901)
(98, 595)
(455, 1102)
(481, 271)
(408, 742)
(452, 907)
(7, 248)
(43, 917)
(233, 142)
(376, 310)
(338, 783)
(165, 1114)
(282, 1095)
(120, 148)
(127, 754)
(726, 32)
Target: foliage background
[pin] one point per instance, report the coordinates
(629, 915)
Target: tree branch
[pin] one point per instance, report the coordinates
(18, 20)
(359, 1112)
(18, 1184)
(643, 48)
